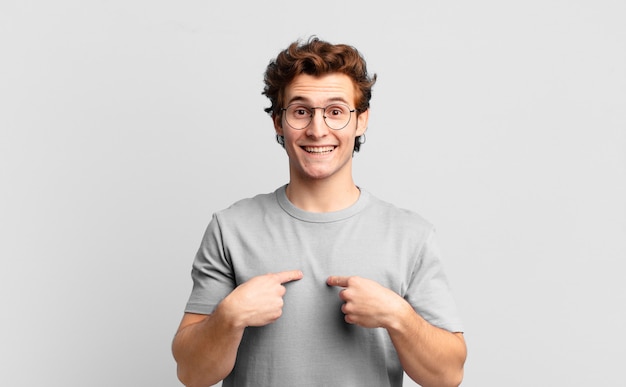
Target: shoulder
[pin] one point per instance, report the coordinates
(399, 224)
(396, 215)
(249, 208)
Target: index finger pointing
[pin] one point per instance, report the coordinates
(335, 280)
(289, 275)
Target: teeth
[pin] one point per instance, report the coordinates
(318, 149)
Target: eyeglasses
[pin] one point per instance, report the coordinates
(336, 116)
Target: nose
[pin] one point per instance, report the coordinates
(317, 127)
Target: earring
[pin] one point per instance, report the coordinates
(362, 139)
(280, 139)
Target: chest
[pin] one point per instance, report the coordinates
(369, 250)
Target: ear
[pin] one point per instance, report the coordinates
(278, 125)
(362, 121)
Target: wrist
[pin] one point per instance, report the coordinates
(401, 316)
(229, 317)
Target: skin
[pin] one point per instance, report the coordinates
(205, 346)
(321, 182)
(429, 355)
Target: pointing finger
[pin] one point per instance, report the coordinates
(289, 275)
(335, 280)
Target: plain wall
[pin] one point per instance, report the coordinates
(125, 124)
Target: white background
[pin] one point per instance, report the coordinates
(125, 124)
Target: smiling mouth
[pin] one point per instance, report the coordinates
(318, 149)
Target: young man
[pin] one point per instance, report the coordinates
(319, 283)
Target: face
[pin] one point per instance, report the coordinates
(318, 152)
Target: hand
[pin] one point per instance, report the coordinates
(366, 302)
(259, 301)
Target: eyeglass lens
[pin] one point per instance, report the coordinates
(336, 116)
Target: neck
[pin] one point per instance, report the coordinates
(322, 196)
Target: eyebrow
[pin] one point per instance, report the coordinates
(298, 98)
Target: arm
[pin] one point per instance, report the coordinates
(429, 355)
(205, 346)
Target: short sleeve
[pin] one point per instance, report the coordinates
(429, 292)
(211, 272)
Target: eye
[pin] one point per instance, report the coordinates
(300, 112)
(336, 111)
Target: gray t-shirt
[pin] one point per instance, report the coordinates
(311, 344)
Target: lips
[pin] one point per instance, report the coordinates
(318, 149)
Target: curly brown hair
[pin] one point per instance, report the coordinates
(317, 57)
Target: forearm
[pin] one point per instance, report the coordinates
(206, 351)
(205, 348)
(429, 355)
